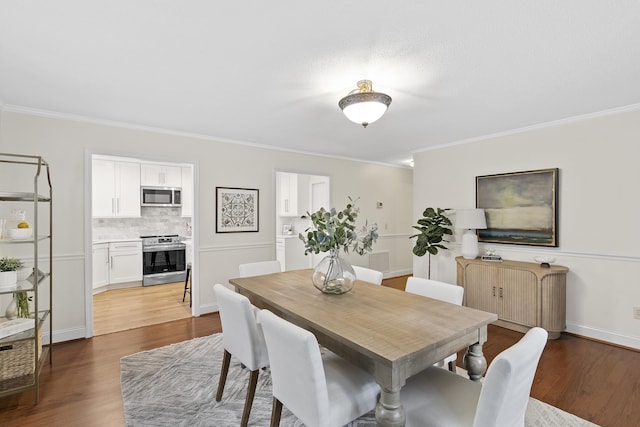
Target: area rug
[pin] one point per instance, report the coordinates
(176, 385)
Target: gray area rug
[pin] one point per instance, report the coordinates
(176, 385)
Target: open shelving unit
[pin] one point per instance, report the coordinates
(40, 246)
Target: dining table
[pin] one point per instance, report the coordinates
(389, 333)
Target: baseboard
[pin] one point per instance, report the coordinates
(606, 337)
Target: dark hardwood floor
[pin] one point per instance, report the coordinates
(595, 381)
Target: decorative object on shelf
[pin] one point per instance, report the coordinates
(331, 231)
(490, 255)
(521, 207)
(544, 261)
(434, 225)
(9, 272)
(470, 220)
(12, 309)
(22, 302)
(363, 105)
(236, 210)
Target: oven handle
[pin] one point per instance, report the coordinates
(162, 248)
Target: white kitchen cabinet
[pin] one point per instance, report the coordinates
(156, 175)
(290, 253)
(287, 188)
(187, 191)
(115, 189)
(100, 265)
(125, 259)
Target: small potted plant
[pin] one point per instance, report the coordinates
(9, 272)
(331, 231)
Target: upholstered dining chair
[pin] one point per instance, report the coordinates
(322, 390)
(441, 291)
(437, 397)
(242, 338)
(259, 268)
(368, 275)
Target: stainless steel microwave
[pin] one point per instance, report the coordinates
(160, 196)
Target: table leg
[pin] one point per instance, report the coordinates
(474, 362)
(389, 410)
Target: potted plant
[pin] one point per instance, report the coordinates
(9, 271)
(331, 231)
(433, 227)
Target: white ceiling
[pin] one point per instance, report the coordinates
(272, 72)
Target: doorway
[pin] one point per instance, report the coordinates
(120, 302)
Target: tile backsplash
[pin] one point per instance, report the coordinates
(154, 221)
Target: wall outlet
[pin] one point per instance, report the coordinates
(636, 313)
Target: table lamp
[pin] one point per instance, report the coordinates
(471, 220)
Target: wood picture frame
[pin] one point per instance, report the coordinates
(237, 210)
(521, 208)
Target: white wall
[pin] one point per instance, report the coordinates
(598, 206)
(65, 144)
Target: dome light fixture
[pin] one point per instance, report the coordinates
(363, 105)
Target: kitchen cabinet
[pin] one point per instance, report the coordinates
(187, 191)
(522, 294)
(290, 253)
(100, 265)
(287, 188)
(125, 261)
(115, 189)
(157, 175)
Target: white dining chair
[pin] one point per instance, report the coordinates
(259, 268)
(368, 275)
(243, 339)
(441, 291)
(322, 390)
(437, 397)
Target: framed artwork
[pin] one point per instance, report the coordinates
(521, 208)
(236, 210)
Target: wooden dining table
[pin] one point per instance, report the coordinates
(389, 333)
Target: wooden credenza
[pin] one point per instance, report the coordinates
(522, 294)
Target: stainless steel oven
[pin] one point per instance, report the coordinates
(163, 259)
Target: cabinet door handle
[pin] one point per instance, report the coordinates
(118, 205)
(113, 205)
(111, 262)
(500, 292)
(494, 291)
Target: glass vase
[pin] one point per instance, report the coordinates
(333, 274)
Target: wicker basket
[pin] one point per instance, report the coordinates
(16, 359)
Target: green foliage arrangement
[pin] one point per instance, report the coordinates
(432, 227)
(335, 230)
(10, 264)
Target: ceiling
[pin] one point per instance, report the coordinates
(271, 73)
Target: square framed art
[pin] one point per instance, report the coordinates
(236, 210)
(521, 208)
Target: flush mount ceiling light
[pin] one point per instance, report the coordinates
(363, 105)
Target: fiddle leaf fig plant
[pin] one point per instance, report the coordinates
(433, 228)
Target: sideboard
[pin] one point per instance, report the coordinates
(522, 294)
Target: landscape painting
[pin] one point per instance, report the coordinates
(521, 208)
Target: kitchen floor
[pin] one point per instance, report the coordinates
(122, 309)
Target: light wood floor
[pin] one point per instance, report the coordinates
(123, 309)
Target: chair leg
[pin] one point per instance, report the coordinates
(251, 391)
(186, 287)
(276, 411)
(226, 359)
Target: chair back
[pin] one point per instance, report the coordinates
(241, 335)
(297, 371)
(259, 268)
(437, 290)
(505, 392)
(368, 275)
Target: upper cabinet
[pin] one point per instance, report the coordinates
(187, 191)
(156, 175)
(287, 188)
(115, 189)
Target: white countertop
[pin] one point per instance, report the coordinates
(129, 239)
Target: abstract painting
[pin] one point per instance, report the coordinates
(236, 210)
(521, 208)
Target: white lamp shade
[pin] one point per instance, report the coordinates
(471, 219)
